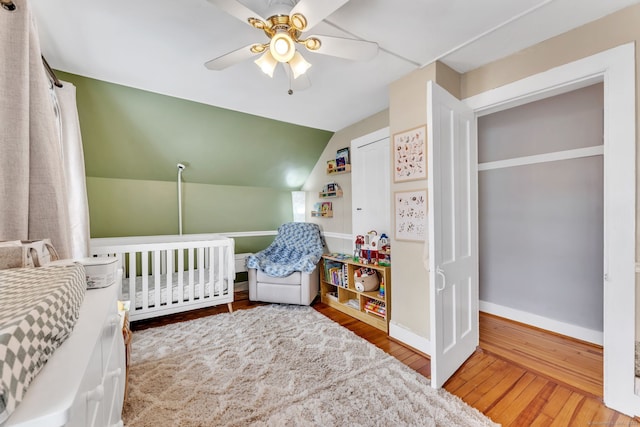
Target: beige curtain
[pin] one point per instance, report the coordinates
(33, 201)
(73, 161)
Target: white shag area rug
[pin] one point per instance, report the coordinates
(278, 366)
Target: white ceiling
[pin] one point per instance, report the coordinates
(161, 46)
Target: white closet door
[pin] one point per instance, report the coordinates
(370, 183)
(453, 227)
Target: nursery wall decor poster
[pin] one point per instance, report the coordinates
(410, 155)
(411, 215)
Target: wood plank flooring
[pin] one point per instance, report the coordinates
(576, 363)
(520, 376)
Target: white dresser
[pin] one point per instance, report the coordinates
(82, 385)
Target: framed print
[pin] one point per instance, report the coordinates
(411, 215)
(410, 155)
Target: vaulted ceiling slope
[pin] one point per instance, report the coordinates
(161, 46)
(134, 134)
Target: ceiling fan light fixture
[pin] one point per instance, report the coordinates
(267, 63)
(298, 21)
(257, 23)
(298, 65)
(258, 48)
(282, 47)
(312, 43)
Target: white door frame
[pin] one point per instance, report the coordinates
(616, 69)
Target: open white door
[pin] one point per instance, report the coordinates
(453, 227)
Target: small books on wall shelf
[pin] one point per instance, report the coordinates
(331, 189)
(322, 209)
(342, 162)
(342, 156)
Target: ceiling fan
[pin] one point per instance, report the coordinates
(284, 28)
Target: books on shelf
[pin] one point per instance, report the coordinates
(342, 162)
(322, 209)
(342, 157)
(336, 273)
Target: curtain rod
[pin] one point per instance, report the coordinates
(8, 4)
(49, 70)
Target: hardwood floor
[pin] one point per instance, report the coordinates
(575, 363)
(520, 376)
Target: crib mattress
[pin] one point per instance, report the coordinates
(40, 307)
(211, 288)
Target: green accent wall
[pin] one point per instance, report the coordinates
(240, 171)
(128, 207)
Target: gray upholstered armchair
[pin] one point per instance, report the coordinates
(286, 271)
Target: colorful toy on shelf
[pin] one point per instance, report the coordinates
(384, 253)
(381, 289)
(369, 251)
(358, 247)
(375, 307)
(365, 280)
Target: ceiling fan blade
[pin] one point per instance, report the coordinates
(358, 50)
(231, 58)
(237, 9)
(316, 10)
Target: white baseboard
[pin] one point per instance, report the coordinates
(241, 286)
(410, 338)
(573, 331)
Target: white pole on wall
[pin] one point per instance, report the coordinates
(181, 167)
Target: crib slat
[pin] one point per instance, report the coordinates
(144, 264)
(210, 264)
(219, 270)
(191, 268)
(181, 275)
(156, 277)
(169, 270)
(132, 280)
(201, 295)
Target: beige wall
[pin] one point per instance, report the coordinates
(341, 221)
(409, 278)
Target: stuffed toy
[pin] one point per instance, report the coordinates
(366, 280)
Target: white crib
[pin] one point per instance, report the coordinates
(171, 274)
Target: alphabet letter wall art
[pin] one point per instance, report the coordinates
(410, 155)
